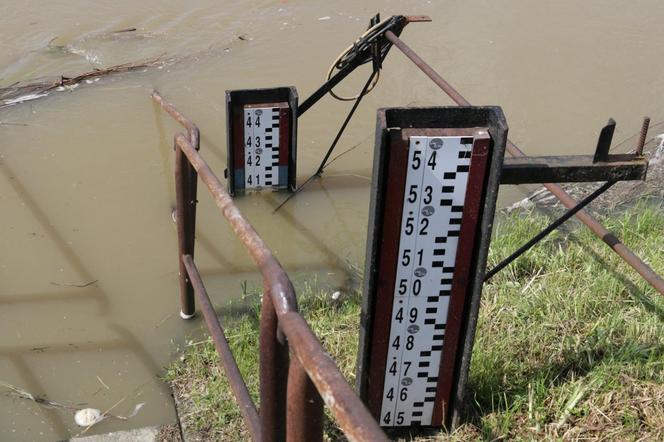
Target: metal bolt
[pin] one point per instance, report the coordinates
(642, 136)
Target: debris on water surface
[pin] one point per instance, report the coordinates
(84, 417)
(87, 417)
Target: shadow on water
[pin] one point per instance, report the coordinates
(53, 233)
(17, 354)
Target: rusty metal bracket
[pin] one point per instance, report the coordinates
(578, 168)
(573, 168)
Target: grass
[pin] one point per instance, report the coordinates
(570, 342)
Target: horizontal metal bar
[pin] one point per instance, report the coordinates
(572, 168)
(240, 391)
(350, 413)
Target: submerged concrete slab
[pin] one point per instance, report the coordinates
(146, 434)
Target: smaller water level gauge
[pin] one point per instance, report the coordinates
(262, 129)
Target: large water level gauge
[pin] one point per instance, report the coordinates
(435, 181)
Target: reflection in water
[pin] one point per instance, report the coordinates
(86, 182)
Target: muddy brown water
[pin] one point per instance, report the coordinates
(86, 186)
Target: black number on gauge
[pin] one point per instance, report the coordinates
(432, 160)
(412, 193)
(410, 342)
(424, 223)
(428, 195)
(417, 287)
(417, 161)
(409, 225)
(405, 259)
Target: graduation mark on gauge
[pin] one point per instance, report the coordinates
(433, 201)
(262, 127)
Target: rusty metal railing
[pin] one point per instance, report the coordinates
(292, 389)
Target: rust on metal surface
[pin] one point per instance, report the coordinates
(572, 168)
(192, 129)
(186, 182)
(642, 136)
(350, 413)
(305, 406)
(598, 229)
(184, 175)
(273, 370)
(240, 391)
(417, 18)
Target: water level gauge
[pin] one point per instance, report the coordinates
(435, 182)
(262, 130)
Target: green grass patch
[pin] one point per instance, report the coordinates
(570, 342)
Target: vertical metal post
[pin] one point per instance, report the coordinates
(185, 218)
(273, 373)
(304, 421)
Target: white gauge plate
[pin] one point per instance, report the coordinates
(434, 195)
(261, 147)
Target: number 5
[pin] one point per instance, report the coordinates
(416, 159)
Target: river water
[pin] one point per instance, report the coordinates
(86, 186)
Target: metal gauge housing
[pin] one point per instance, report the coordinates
(262, 134)
(436, 176)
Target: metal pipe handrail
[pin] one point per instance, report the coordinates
(240, 391)
(598, 229)
(349, 411)
(322, 379)
(192, 129)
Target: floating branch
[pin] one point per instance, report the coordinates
(21, 92)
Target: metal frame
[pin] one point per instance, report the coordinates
(598, 229)
(371, 354)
